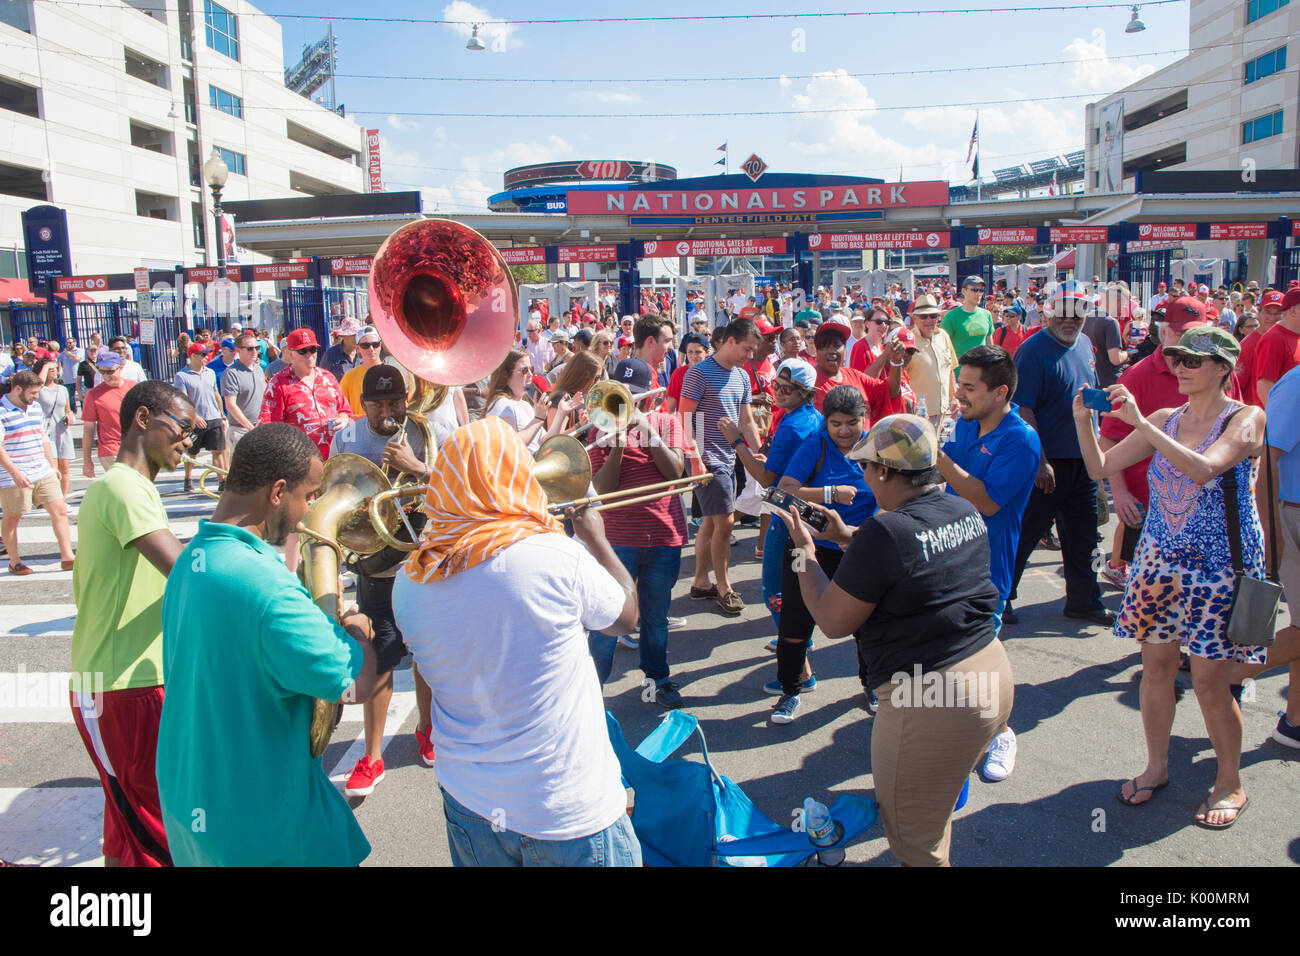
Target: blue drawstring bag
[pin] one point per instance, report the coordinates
(687, 814)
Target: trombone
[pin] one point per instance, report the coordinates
(609, 407)
(203, 475)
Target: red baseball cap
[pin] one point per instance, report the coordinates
(300, 339)
(1292, 297)
(1272, 300)
(541, 384)
(906, 337)
(765, 328)
(1185, 312)
(197, 348)
(624, 340)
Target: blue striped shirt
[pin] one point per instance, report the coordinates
(23, 437)
(719, 393)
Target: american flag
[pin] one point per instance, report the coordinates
(974, 138)
(1052, 189)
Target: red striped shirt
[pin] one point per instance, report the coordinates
(653, 524)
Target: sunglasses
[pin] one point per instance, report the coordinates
(309, 350)
(780, 389)
(1186, 361)
(367, 345)
(248, 348)
(187, 430)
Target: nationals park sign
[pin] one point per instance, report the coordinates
(815, 199)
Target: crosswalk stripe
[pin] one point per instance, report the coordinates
(37, 697)
(37, 620)
(31, 537)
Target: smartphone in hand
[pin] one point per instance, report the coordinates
(1096, 399)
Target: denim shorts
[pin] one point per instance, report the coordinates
(477, 841)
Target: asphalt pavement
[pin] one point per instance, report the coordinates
(1076, 718)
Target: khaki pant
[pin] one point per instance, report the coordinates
(18, 501)
(1288, 528)
(925, 744)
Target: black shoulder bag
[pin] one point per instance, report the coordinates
(1252, 617)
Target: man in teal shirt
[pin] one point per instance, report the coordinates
(968, 325)
(246, 652)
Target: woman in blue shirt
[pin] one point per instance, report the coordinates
(793, 393)
(821, 472)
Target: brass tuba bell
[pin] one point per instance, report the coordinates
(444, 301)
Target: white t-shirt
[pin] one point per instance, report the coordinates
(518, 716)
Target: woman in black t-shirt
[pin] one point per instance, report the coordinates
(914, 588)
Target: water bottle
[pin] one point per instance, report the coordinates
(921, 409)
(823, 831)
(948, 430)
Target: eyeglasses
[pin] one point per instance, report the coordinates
(780, 389)
(248, 348)
(367, 345)
(187, 431)
(1186, 361)
(309, 350)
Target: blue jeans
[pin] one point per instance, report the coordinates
(474, 841)
(773, 556)
(655, 572)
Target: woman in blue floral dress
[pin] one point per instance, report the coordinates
(1180, 588)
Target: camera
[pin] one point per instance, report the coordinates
(783, 500)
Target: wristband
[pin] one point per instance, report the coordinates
(828, 495)
(739, 441)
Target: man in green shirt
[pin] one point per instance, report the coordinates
(968, 325)
(125, 551)
(241, 683)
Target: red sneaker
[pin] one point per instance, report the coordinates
(365, 777)
(425, 745)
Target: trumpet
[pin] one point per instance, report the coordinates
(203, 475)
(609, 407)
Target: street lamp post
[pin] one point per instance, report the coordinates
(214, 174)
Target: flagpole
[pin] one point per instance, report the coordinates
(978, 191)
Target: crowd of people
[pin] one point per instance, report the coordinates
(915, 448)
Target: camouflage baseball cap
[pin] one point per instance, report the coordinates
(902, 442)
(1207, 342)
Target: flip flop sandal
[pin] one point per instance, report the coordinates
(1129, 801)
(703, 594)
(1205, 824)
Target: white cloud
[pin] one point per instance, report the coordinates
(497, 35)
(607, 96)
(1094, 71)
(401, 125)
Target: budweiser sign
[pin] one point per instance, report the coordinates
(1008, 235)
(714, 247)
(1066, 235)
(602, 202)
(1167, 232)
(1238, 230)
(837, 241)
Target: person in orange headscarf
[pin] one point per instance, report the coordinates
(495, 605)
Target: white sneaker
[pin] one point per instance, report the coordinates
(676, 623)
(628, 641)
(1002, 757)
(347, 579)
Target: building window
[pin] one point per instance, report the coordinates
(1266, 65)
(226, 102)
(1262, 8)
(222, 29)
(1262, 128)
(234, 161)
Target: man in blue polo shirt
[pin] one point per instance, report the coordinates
(1051, 367)
(991, 461)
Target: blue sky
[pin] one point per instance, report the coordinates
(894, 117)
